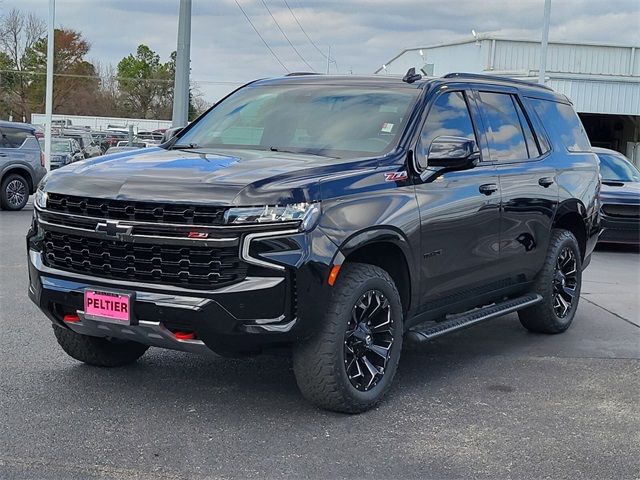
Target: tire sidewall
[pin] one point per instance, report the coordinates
(392, 296)
(568, 240)
(4, 200)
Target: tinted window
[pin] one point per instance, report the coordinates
(448, 116)
(320, 119)
(504, 132)
(532, 145)
(617, 168)
(561, 120)
(13, 138)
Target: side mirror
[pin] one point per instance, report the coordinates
(453, 152)
(170, 133)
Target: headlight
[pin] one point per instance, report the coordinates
(305, 213)
(41, 198)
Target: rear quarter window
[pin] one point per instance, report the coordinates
(562, 122)
(13, 137)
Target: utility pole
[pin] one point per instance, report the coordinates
(48, 111)
(180, 115)
(328, 59)
(545, 42)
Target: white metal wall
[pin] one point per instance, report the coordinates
(100, 123)
(597, 78)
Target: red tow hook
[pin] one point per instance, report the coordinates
(70, 318)
(185, 335)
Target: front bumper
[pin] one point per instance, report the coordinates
(615, 230)
(257, 313)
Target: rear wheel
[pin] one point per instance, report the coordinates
(14, 192)
(559, 283)
(98, 351)
(350, 363)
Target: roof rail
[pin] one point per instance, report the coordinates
(300, 74)
(480, 76)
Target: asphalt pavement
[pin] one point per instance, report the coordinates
(490, 402)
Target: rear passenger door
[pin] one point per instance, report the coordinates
(527, 179)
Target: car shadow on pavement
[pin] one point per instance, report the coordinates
(266, 384)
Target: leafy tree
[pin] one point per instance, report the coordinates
(75, 82)
(146, 83)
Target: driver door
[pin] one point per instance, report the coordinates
(459, 212)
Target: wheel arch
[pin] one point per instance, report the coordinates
(387, 248)
(572, 215)
(20, 170)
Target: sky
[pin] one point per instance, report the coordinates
(362, 34)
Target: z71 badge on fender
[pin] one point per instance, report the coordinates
(395, 176)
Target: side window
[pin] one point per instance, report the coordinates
(562, 121)
(449, 115)
(504, 132)
(532, 145)
(12, 137)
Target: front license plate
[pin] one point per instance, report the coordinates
(108, 306)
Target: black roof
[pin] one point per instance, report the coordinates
(395, 81)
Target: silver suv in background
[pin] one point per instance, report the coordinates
(21, 164)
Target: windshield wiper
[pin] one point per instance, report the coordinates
(185, 147)
(304, 152)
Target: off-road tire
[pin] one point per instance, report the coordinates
(98, 351)
(319, 363)
(542, 318)
(13, 179)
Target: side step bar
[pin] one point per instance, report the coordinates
(464, 320)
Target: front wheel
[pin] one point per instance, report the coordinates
(98, 351)
(559, 284)
(350, 363)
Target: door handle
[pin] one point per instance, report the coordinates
(545, 182)
(488, 188)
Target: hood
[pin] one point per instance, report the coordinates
(626, 192)
(221, 177)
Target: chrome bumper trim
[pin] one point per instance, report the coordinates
(249, 283)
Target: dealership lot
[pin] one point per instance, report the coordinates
(490, 402)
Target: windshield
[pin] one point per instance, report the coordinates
(57, 146)
(326, 120)
(617, 168)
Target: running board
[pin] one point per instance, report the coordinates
(467, 319)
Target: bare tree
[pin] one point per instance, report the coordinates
(19, 32)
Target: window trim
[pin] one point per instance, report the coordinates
(466, 94)
(515, 96)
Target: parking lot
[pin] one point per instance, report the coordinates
(493, 401)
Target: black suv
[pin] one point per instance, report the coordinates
(331, 217)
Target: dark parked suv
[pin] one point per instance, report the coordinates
(332, 217)
(21, 164)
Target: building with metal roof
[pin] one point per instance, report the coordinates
(602, 80)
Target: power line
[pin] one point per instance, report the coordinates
(261, 37)
(304, 31)
(128, 79)
(286, 37)
(308, 37)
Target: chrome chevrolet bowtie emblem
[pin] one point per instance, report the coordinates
(113, 228)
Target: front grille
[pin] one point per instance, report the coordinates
(623, 211)
(185, 266)
(139, 211)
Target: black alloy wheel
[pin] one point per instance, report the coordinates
(565, 281)
(368, 340)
